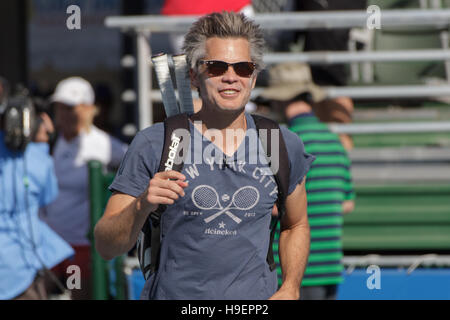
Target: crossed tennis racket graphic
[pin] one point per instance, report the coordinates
(206, 198)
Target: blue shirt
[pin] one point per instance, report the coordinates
(25, 240)
(215, 239)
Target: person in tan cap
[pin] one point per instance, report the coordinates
(329, 185)
(79, 141)
(289, 80)
(292, 81)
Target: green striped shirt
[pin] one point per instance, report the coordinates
(328, 184)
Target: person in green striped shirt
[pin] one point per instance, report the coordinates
(330, 195)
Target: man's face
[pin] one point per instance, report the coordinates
(229, 91)
(71, 119)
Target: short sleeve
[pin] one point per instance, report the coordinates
(118, 150)
(137, 167)
(299, 160)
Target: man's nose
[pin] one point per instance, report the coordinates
(230, 75)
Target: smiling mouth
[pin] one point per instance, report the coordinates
(229, 92)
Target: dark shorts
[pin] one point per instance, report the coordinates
(36, 291)
(81, 259)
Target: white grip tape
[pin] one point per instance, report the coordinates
(183, 84)
(161, 65)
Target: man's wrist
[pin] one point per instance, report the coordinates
(291, 288)
(143, 207)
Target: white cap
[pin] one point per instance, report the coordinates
(74, 91)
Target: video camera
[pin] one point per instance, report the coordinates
(19, 120)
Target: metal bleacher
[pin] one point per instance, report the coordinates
(143, 26)
(108, 278)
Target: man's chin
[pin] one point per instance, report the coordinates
(231, 109)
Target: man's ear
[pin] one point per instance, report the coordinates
(254, 81)
(193, 75)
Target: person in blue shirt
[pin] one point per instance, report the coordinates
(28, 245)
(216, 229)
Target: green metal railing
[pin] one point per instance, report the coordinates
(99, 180)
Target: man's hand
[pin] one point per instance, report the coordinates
(348, 206)
(164, 188)
(286, 294)
(117, 231)
(45, 129)
(293, 243)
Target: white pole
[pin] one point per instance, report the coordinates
(331, 57)
(373, 92)
(144, 80)
(294, 20)
(363, 92)
(399, 127)
(444, 41)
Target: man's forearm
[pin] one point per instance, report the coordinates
(118, 229)
(294, 250)
(117, 233)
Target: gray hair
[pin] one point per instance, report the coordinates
(223, 25)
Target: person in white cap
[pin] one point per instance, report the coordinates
(79, 141)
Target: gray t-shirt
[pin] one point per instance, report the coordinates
(215, 239)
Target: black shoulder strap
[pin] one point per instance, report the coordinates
(171, 127)
(270, 135)
(175, 149)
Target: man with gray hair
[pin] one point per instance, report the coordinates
(205, 254)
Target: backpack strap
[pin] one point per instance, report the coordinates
(280, 170)
(149, 241)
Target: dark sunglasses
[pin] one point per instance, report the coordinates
(217, 68)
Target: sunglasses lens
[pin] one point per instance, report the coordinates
(244, 69)
(217, 68)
